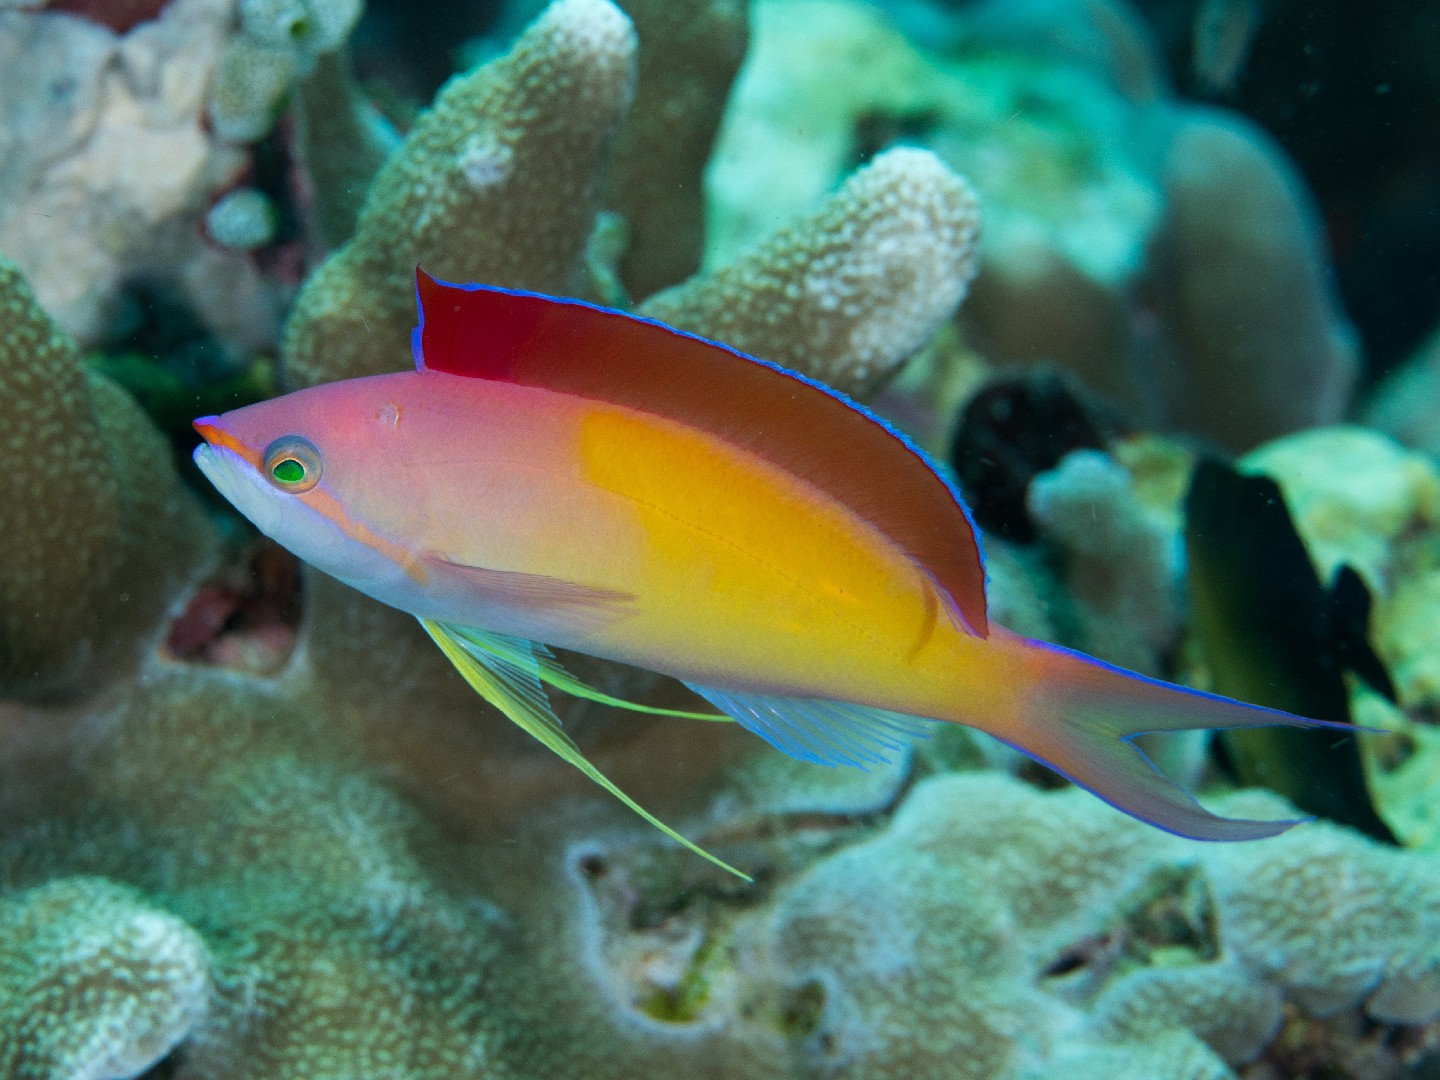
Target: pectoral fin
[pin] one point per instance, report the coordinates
(549, 601)
(512, 683)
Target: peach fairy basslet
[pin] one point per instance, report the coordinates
(559, 474)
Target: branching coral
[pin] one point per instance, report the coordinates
(1123, 558)
(531, 129)
(689, 54)
(279, 42)
(1250, 363)
(854, 289)
(93, 562)
(1100, 195)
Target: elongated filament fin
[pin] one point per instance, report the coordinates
(504, 686)
(550, 671)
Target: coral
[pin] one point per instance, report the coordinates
(279, 42)
(917, 952)
(1403, 404)
(689, 54)
(1360, 499)
(1332, 939)
(1123, 561)
(357, 869)
(98, 558)
(96, 982)
(1250, 364)
(1353, 493)
(854, 289)
(1172, 1055)
(1051, 148)
(1100, 195)
(1230, 1010)
(105, 184)
(530, 129)
(243, 219)
(342, 142)
(248, 90)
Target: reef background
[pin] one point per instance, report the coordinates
(251, 825)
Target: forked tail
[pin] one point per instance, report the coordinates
(1081, 720)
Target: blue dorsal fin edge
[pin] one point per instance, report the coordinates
(909, 444)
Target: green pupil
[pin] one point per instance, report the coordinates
(288, 471)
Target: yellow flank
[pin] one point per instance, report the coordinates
(749, 569)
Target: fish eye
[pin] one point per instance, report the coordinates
(292, 464)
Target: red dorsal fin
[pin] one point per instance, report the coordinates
(485, 332)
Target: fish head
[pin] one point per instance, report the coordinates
(301, 468)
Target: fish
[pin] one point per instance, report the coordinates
(1221, 36)
(1272, 631)
(558, 475)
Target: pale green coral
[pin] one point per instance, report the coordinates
(850, 291)
(94, 561)
(529, 130)
(689, 54)
(95, 982)
(1353, 493)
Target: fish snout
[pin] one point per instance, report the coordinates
(209, 429)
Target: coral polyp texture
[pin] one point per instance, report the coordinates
(1102, 194)
(352, 867)
(499, 181)
(97, 982)
(93, 564)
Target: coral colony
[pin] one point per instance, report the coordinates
(253, 825)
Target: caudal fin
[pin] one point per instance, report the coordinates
(1084, 715)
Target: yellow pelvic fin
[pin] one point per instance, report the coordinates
(522, 653)
(511, 681)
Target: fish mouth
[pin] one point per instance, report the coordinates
(217, 437)
(239, 483)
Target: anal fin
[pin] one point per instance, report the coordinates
(819, 730)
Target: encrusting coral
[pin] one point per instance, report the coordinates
(354, 868)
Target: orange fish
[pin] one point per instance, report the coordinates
(558, 474)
